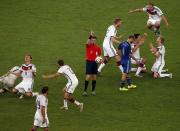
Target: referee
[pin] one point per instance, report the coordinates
(92, 51)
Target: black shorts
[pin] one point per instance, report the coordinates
(91, 67)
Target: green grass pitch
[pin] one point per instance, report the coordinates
(52, 29)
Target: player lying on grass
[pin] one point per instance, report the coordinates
(8, 80)
(66, 71)
(155, 17)
(108, 44)
(135, 46)
(92, 52)
(27, 71)
(124, 50)
(41, 118)
(159, 64)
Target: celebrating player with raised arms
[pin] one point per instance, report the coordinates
(70, 87)
(108, 44)
(41, 118)
(27, 71)
(8, 80)
(159, 64)
(155, 17)
(124, 50)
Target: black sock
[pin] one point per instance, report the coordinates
(86, 85)
(122, 83)
(93, 85)
(128, 81)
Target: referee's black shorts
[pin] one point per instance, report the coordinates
(91, 67)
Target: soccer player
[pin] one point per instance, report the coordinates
(108, 47)
(41, 118)
(66, 71)
(159, 64)
(124, 50)
(155, 17)
(135, 46)
(8, 80)
(92, 51)
(27, 71)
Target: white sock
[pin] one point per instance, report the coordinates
(65, 103)
(164, 75)
(139, 69)
(35, 94)
(120, 68)
(77, 103)
(134, 69)
(102, 65)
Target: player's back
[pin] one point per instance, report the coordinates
(161, 50)
(68, 73)
(111, 31)
(136, 54)
(41, 100)
(125, 48)
(27, 71)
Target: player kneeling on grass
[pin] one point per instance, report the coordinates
(92, 52)
(124, 50)
(70, 87)
(8, 80)
(27, 71)
(41, 118)
(159, 64)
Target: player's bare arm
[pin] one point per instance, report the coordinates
(43, 113)
(115, 40)
(136, 10)
(55, 75)
(17, 74)
(165, 20)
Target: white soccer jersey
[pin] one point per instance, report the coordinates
(154, 14)
(111, 32)
(68, 73)
(161, 50)
(41, 100)
(27, 71)
(13, 70)
(136, 54)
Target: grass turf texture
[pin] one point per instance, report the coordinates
(58, 29)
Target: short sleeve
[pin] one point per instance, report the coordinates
(145, 9)
(34, 68)
(60, 71)
(42, 101)
(159, 12)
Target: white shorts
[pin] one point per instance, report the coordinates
(25, 86)
(134, 62)
(153, 21)
(8, 82)
(38, 121)
(158, 67)
(109, 50)
(71, 86)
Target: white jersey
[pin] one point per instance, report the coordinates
(136, 54)
(27, 71)
(68, 73)
(154, 14)
(41, 100)
(13, 70)
(161, 50)
(111, 32)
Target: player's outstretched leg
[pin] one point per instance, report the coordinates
(103, 64)
(65, 101)
(123, 82)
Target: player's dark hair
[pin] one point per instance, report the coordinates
(92, 37)
(150, 3)
(29, 56)
(116, 20)
(131, 37)
(136, 35)
(60, 62)
(44, 90)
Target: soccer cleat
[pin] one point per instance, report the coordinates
(171, 75)
(140, 76)
(131, 86)
(123, 89)
(64, 108)
(93, 93)
(21, 97)
(81, 107)
(85, 94)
